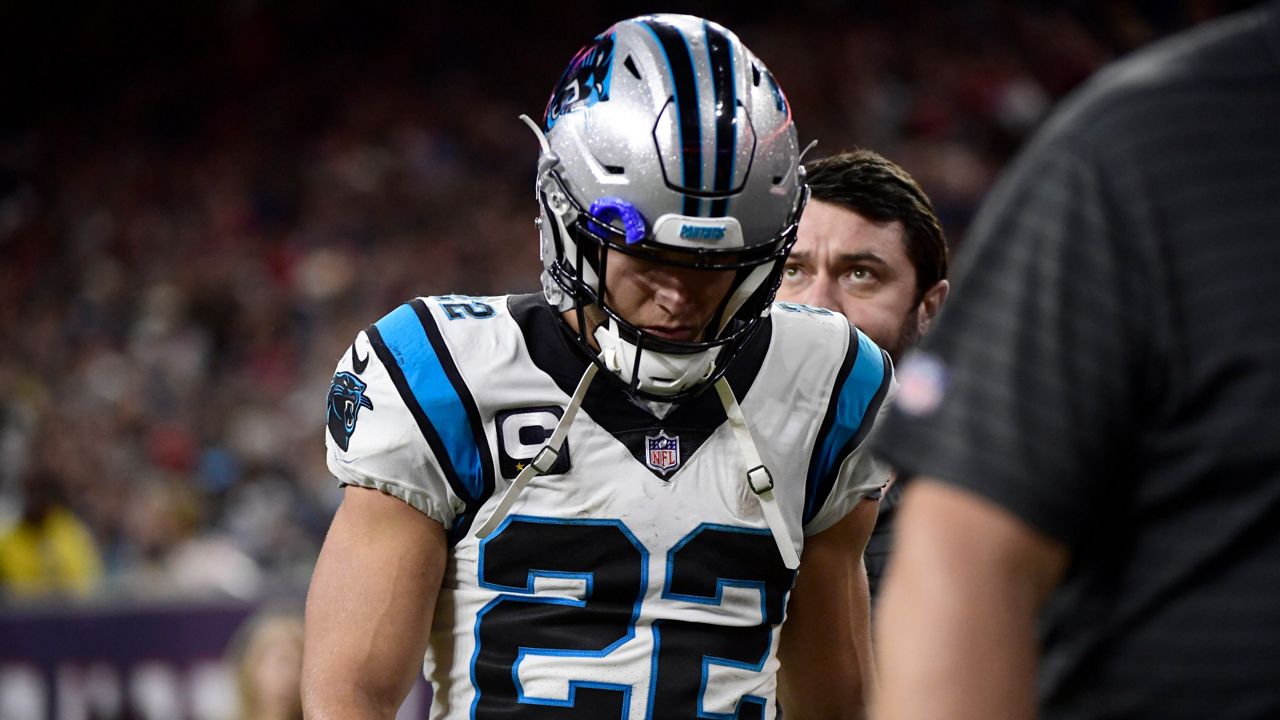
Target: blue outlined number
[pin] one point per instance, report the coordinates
(608, 565)
(699, 568)
(462, 307)
(612, 567)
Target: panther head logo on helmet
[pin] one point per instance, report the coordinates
(585, 81)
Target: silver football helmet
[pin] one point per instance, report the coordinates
(667, 134)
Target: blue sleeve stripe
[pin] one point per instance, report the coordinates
(859, 388)
(433, 390)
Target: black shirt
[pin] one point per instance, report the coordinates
(1110, 364)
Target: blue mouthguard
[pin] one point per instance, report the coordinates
(609, 209)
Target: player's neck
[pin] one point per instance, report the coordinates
(592, 316)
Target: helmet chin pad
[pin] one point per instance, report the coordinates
(658, 373)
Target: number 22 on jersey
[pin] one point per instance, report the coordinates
(600, 572)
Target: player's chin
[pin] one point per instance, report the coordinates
(681, 333)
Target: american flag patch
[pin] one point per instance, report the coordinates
(922, 383)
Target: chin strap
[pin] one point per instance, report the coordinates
(758, 477)
(544, 460)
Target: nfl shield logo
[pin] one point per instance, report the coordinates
(662, 452)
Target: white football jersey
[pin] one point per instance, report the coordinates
(637, 578)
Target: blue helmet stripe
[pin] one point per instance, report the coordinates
(675, 48)
(860, 387)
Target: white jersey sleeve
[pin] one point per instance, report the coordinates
(397, 418)
(862, 393)
(851, 389)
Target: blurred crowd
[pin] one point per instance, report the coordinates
(196, 219)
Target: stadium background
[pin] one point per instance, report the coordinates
(201, 203)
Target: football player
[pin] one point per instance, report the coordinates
(594, 501)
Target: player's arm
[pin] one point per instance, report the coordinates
(369, 607)
(825, 651)
(956, 630)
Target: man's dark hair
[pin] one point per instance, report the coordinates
(877, 189)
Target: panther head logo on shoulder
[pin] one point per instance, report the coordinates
(346, 397)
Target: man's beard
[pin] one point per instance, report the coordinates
(908, 335)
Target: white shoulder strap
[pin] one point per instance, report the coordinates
(758, 477)
(545, 459)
